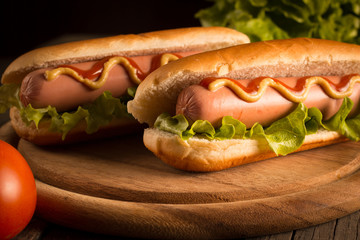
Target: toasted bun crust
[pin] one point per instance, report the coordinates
(42, 135)
(277, 58)
(201, 155)
(196, 38)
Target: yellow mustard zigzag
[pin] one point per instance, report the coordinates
(131, 70)
(287, 93)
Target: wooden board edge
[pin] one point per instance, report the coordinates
(199, 221)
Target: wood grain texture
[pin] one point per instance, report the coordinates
(39, 229)
(7, 134)
(123, 169)
(117, 187)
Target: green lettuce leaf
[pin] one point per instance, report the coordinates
(339, 118)
(177, 124)
(230, 128)
(103, 110)
(284, 136)
(287, 134)
(30, 114)
(96, 114)
(353, 128)
(65, 122)
(266, 20)
(201, 127)
(339, 122)
(8, 97)
(314, 121)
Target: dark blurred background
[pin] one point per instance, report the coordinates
(25, 25)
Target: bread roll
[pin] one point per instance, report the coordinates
(173, 40)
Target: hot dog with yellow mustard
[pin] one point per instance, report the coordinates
(78, 91)
(250, 102)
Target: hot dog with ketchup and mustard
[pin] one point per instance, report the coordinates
(78, 91)
(245, 103)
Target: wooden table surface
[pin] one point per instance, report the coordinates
(342, 228)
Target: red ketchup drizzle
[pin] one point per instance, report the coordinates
(254, 84)
(93, 72)
(96, 70)
(156, 62)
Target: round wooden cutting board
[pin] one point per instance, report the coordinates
(117, 186)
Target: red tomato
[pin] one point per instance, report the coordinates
(17, 192)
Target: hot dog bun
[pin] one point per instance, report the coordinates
(277, 58)
(152, 43)
(173, 40)
(201, 155)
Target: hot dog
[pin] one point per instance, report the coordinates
(251, 102)
(78, 91)
(198, 102)
(66, 93)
